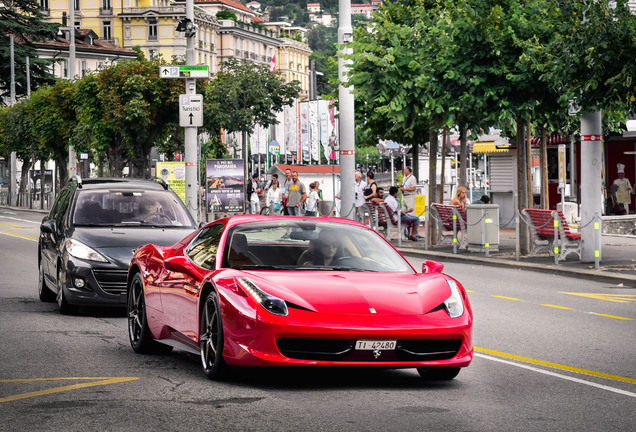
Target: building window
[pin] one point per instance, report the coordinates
(152, 53)
(106, 4)
(44, 5)
(107, 31)
(64, 68)
(77, 5)
(84, 69)
(152, 29)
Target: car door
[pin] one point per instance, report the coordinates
(180, 290)
(50, 242)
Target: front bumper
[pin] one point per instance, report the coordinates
(104, 284)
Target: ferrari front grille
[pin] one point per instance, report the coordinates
(344, 350)
(111, 281)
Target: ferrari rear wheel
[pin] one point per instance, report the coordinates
(138, 331)
(211, 339)
(438, 373)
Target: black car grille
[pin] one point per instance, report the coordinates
(344, 350)
(111, 281)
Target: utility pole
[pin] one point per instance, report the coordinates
(345, 100)
(72, 157)
(13, 193)
(591, 183)
(191, 162)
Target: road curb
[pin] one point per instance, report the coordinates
(628, 281)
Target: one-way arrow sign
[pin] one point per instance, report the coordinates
(190, 110)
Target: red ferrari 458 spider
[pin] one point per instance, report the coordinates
(291, 291)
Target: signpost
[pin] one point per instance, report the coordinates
(190, 110)
(184, 72)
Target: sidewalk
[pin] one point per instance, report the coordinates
(617, 266)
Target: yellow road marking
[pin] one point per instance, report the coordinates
(557, 307)
(470, 291)
(613, 316)
(102, 381)
(19, 235)
(617, 298)
(507, 298)
(555, 365)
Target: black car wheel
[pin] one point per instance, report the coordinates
(439, 373)
(211, 339)
(46, 294)
(138, 331)
(63, 305)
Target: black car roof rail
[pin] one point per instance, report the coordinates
(77, 179)
(162, 182)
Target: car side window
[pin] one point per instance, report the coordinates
(203, 248)
(62, 204)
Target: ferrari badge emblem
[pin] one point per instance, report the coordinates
(376, 353)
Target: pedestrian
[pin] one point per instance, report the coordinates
(312, 199)
(253, 190)
(409, 183)
(624, 188)
(360, 185)
(271, 181)
(296, 195)
(274, 199)
(371, 190)
(287, 181)
(407, 218)
(460, 198)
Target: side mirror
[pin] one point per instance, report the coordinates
(180, 264)
(430, 266)
(48, 227)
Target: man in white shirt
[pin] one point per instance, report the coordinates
(360, 185)
(407, 218)
(408, 190)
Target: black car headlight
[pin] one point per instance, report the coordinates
(269, 302)
(454, 305)
(79, 250)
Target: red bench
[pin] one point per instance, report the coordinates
(542, 223)
(444, 214)
(381, 217)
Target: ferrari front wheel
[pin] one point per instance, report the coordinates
(211, 339)
(438, 373)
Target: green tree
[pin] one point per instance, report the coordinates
(23, 20)
(243, 95)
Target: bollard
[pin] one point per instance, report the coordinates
(486, 244)
(454, 232)
(399, 225)
(597, 242)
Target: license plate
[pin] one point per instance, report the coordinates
(370, 345)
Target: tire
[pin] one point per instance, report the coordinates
(138, 331)
(265, 211)
(64, 306)
(439, 373)
(46, 294)
(211, 339)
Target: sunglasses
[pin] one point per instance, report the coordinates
(332, 243)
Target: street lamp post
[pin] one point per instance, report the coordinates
(346, 124)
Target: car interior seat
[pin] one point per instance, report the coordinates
(239, 253)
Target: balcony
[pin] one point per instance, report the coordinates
(106, 11)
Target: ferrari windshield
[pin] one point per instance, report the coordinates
(307, 245)
(130, 208)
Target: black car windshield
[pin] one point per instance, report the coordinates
(153, 208)
(310, 246)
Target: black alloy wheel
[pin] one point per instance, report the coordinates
(46, 294)
(438, 373)
(138, 332)
(211, 339)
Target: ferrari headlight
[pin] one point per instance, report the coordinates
(80, 250)
(271, 303)
(454, 304)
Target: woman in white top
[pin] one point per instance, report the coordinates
(274, 199)
(312, 200)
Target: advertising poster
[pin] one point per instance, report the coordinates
(224, 185)
(174, 174)
(304, 130)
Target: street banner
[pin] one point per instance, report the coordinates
(562, 167)
(323, 116)
(420, 205)
(279, 131)
(304, 130)
(314, 131)
(224, 185)
(291, 134)
(332, 127)
(174, 174)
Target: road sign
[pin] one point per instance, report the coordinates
(184, 72)
(190, 110)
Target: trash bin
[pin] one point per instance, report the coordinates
(477, 217)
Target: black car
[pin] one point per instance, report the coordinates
(95, 225)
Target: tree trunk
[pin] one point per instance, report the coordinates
(62, 173)
(442, 177)
(545, 193)
(416, 158)
(25, 182)
(42, 183)
(463, 156)
(529, 164)
(522, 188)
(432, 181)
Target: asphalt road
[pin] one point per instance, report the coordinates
(552, 353)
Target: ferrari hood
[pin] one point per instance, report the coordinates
(357, 293)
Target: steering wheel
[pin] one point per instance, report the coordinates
(157, 218)
(348, 261)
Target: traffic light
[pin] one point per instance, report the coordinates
(186, 25)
